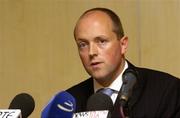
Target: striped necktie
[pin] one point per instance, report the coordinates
(106, 91)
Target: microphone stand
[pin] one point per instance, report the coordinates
(122, 112)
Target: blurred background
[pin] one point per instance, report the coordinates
(38, 54)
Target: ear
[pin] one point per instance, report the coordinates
(124, 44)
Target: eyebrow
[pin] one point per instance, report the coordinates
(81, 40)
(97, 37)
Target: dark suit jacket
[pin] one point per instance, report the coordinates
(156, 95)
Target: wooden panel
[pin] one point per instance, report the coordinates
(38, 54)
(160, 34)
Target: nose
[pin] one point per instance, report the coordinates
(93, 50)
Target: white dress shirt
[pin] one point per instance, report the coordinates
(115, 85)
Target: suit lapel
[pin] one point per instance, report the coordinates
(135, 95)
(138, 89)
(87, 92)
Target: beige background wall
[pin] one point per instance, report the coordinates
(38, 54)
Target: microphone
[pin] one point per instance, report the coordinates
(99, 101)
(98, 105)
(62, 105)
(24, 102)
(129, 80)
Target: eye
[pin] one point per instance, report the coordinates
(82, 44)
(102, 41)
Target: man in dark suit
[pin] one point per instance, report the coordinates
(102, 46)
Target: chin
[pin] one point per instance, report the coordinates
(103, 81)
(99, 77)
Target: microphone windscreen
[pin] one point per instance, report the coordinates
(24, 102)
(99, 101)
(62, 105)
(129, 80)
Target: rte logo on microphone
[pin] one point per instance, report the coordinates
(10, 113)
(67, 106)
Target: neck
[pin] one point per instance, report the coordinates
(105, 82)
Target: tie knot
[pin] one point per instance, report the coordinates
(106, 91)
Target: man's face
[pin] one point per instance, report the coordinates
(100, 50)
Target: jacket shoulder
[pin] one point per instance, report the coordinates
(82, 86)
(81, 92)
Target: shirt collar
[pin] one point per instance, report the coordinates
(115, 85)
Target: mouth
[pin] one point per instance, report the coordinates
(95, 64)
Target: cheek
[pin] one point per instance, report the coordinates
(84, 58)
(113, 55)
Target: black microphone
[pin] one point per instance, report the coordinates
(129, 80)
(24, 102)
(100, 101)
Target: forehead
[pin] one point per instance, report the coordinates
(94, 18)
(95, 15)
